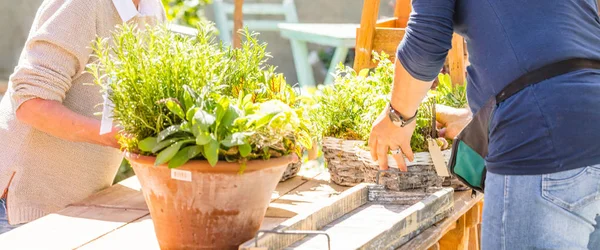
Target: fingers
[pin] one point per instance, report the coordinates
(400, 162)
(382, 152)
(373, 146)
(407, 151)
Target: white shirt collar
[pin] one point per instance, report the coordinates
(127, 10)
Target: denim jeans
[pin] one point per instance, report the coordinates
(551, 211)
(4, 226)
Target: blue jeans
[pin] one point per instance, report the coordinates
(4, 226)
(550, 211)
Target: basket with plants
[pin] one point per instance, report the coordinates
(208, 129)
(347, 109)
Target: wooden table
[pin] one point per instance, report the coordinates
(340, 36)
(117, 218)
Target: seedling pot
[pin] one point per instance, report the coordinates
(197, 206)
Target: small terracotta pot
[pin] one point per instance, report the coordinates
(197, 206)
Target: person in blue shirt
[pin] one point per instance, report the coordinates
(543, 182)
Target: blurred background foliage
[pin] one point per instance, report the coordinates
(185, 12)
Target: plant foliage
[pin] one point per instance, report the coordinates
(185, 12)
(182, 98)
(347, 108)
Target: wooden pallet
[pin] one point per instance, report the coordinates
(363, 217)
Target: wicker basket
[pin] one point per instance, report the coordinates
(350, 165)
(291, 171)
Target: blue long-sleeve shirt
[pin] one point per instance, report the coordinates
(549, 127)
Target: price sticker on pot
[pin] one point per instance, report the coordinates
(438, 159)
(181, 175)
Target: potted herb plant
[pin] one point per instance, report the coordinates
(346, 111)
(208, 129)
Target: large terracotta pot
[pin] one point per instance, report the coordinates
(197, 206)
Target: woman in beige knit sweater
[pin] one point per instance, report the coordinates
(51, 152)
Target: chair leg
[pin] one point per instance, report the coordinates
(303, 68)
(338, 57)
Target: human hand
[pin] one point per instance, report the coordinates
(385, 136)
(451, 121)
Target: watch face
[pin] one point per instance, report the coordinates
(395, 119)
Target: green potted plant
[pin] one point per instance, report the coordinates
(346, 111)
(208, 129)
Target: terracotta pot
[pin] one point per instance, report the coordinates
(197, 206)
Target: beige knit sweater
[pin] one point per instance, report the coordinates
(40, 173)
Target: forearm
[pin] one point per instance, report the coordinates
(407, 92)
(55, 119)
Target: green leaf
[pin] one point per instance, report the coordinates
(168, 132)
(222, 108)
(182, 157)
(195, 151)
(203, 138)
(245, 149)
(203, 120)
(187, 98)
(147, 144)
(175, 108)
(363, 73)
(190, 113)
(164, 144)
(211, 152)
(230, 116)
(236, 139)
(186, 127)
(167, 154)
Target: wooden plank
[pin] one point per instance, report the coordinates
(387, 23)
(383, 225)
(365, 34)
(402, 12)
(463, 202)
(315, 191)
(314, 218)
(68, 228)
(387, 40)
(126, 194)
(140, 235)
(456, 60)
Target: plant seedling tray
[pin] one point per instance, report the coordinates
(367, 216)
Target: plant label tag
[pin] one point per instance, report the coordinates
(106, 124)
(438, 159)
(181, 175)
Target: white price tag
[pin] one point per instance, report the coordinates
(437, 158)
(181, 175)
(106, 124)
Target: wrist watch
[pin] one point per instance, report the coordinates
(398, 119)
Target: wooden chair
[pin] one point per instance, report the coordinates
(224, 12)
(385, 35)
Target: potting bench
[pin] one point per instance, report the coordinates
(117, 218)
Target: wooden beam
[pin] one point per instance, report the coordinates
(68, 229)
(387, 40)
(387, 23)
(463, 202)
(456, 60)
(402, 12)
(365, 34)
(238, 23)
(314, 218)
